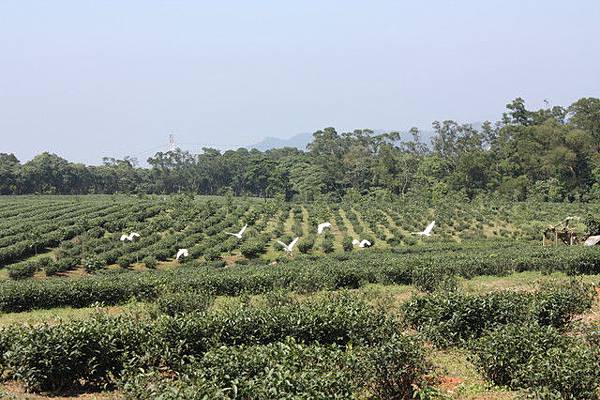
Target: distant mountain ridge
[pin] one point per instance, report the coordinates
(298, 141)
(301, 140)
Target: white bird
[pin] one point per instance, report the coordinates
(322, 226)
(130, 238)
(133, 235)
(362, 243)
(240, 233)
(427, 231)
(288, 247)
(182, 253)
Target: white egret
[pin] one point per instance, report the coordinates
(129, 237)
(322, 226)
(363, 243)
(240, 233)
(288, 247)
(182, 253)
(427, 231)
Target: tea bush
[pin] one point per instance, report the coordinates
(428, 267)
(21, 271)
(450, 318)
(183, 302)
(538, 358)
(393, 369)
(94, 350)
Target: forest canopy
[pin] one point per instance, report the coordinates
(551, 154)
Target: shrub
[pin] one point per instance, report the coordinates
(327, 245)
(60, 356)
(43, 262)
(150, 262)
(540, 359)
(396, 369)
(286, 369)
(21, 271)
(410, 240)
(92, 264)
(291, 369)
(455, 318)
(52, 269)
(430, 278)
(183, 302)
(253, 248)
(125, 261)
(94, 350)
(555, 305)
(347, 243)
(306, 244)
(212, 254)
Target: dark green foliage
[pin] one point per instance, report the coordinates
(125, 261)
(347, 243)
(396, 368)
(501, 158)
(327, 245)
(92, 264)
(431, 278)
(274, 371)
(555, 305)
(212, 254)
(175, 303)
(58, 292)
(593, 224)
(529, 356)
(428, 267)
(306, 244)
(49, 357)
(450, 318)
(58, 357)
(150, 262)
(253, 248)
(21, 271)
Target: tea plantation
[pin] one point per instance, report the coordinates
(478, 310)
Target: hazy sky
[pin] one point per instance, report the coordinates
(87, 79)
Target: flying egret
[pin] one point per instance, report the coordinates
(288, 247)
(427, 231)
(240, 233)
(322, 226)
(124, 237)
(182, 253)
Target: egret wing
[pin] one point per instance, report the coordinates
(429, 228)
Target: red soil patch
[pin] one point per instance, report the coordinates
(449, 383)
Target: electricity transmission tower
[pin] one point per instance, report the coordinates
(172, 143)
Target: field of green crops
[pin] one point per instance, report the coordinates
(479, 310)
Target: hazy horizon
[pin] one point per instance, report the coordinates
(87, 79)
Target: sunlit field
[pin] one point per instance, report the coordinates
(478, 310)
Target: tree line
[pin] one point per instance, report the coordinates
(550, 154)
